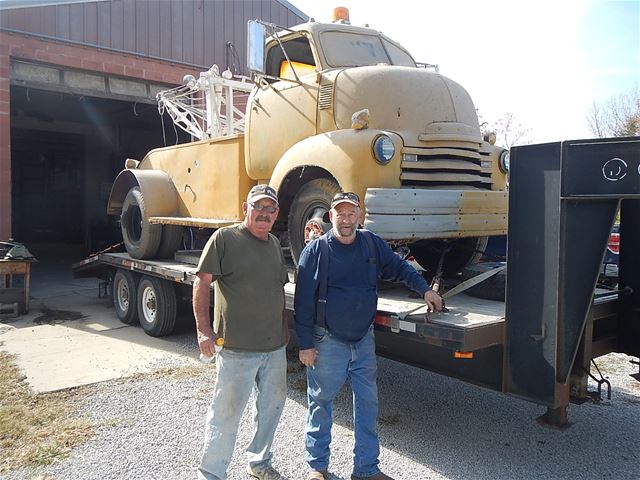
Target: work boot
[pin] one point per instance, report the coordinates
(268, 473)
(317, 475)
(375, 476)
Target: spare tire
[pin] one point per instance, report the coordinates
(141, 238)
(493, 288)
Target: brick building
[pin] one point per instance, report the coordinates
(77, 96)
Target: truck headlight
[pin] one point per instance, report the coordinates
(504, 162)
(383, 149)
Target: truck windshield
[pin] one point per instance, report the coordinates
(344, 49)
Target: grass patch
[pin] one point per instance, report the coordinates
(182, 372)
(35, 430)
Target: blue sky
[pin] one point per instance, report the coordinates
(546, 61)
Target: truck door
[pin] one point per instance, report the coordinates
(281, 112)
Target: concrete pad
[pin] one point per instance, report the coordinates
(63, 353)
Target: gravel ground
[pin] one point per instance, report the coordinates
(431, 427)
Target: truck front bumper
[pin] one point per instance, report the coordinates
(413, 214)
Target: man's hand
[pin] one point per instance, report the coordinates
(206, 336)
(433, 301)
(207, 344)
(308, 356)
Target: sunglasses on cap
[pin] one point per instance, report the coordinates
(345, 197)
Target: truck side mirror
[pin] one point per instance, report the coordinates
(255, 46)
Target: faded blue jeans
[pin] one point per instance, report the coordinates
(238, 374)
(337, 362)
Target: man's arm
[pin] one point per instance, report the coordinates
(201, 294)
(305, 303)
(395, 269)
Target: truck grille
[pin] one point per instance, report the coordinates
(445, 165)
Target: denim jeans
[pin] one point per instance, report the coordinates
(336, 362)
(238, 374)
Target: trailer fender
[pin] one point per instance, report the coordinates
(158, 190)
(347, 156)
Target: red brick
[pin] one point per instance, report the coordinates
(4, 84)
(92, 65)
(133, 71)
(115, 68)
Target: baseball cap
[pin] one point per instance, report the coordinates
(348, 197)
(262, 191)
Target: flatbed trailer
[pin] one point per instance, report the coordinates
(539, 344)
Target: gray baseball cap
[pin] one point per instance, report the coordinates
(262, 191)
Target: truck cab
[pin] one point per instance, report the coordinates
(416, 152)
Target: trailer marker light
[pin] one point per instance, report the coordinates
(460, 354)
(383, 320)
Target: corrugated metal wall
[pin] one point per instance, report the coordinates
(186, 31)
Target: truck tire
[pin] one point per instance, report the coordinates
(170, 241)
(308, 214)
(141, 239)
(125, 291)
(493, 288)
(156, 306)
(463, 252)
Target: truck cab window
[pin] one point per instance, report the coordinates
(300, 54)
(398, 56)
(344, 49)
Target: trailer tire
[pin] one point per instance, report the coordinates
(463, 252)
(310, 204)
(141, 238)
(125, 292)
(493, 288)
(170, 241)
(156, 306)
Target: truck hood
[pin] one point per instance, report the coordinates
(419, 105)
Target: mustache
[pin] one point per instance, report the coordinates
(263, 218)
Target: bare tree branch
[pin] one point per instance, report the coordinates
(619, 116)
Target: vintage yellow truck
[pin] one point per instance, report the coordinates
(331, 107)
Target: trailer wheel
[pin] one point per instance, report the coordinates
(170, 241)
(125, 290)
(308, 214)
(156, 306)
(493, 288)
(141, 239)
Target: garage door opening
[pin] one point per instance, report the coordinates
(66, 151)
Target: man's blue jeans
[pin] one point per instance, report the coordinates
(336, 362)
(238, 374)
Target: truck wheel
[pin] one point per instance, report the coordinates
(463, 251)
(308, 215)
(125, 290)
(156, 306)
(493, 288)
(141, 239)
(170, 241)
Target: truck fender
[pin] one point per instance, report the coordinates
(347, 156)
(158, 190)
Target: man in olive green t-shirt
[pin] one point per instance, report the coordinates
(247, 266)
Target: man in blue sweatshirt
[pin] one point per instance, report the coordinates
(335, 334)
